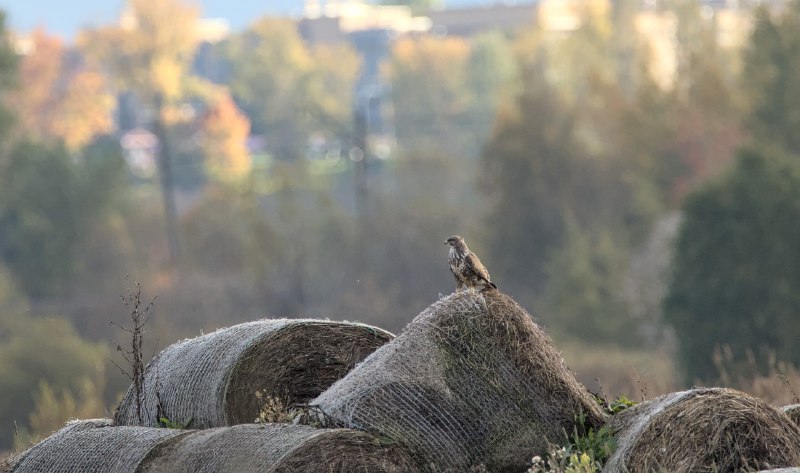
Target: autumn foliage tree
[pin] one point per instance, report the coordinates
(149, 53)
(62, 98)
(429, 86)
(224, 131)
(288, 89)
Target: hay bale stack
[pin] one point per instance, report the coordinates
(277, 448)
(92, 446)
(212, 379)
(793, 411)
(472, 380)
(703, 430)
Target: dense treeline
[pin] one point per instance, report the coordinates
(566, 159)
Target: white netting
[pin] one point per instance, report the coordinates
(707, 430)
(212, 379)
(472, 380)
(92, 447)
(277, 448)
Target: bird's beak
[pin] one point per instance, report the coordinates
(445, 242)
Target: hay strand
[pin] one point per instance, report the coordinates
(212, 379)
(703, 430)
(92, 446)
(277, 448)
(471, 381)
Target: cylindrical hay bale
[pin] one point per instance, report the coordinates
(212, 379)
(471, 381)
(793, 411)
(277, 448)
(93, 446)
(703, 430)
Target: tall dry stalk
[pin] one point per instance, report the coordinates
(139, 314)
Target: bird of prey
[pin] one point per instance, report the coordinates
(466, 266)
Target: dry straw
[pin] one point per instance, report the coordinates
(277, 448)
(703, 430)
(92, 447)
(472, 380)
(793, 412)
(211, 380)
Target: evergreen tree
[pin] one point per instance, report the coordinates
(772, 78)
(737, 265)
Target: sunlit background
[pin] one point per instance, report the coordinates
(627, 170)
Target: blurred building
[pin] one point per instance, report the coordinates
(479, 19)
(140, 147)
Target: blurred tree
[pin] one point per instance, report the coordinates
(772, 77)
(533, 170)
(53, 409)
(583, 297)
(568, 150)
(226, 233)
(104, 253)
(61, 98)
(286, 89)
(150, 50)
(224, 132)
(491, 73)
(737, 265)
(707, 100)
(430, 94)
(48, 202)
(38, 217)
(149, 53)
(8, 75)
(33, 349)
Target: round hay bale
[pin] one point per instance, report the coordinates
(703, 430)
(212, 379)
(8, 463)
(93, 446)
(793, 411)
(471, 381)
(277, 448)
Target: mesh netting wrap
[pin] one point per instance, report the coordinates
(472, 380)
(793, 411)
(93, 447)
(703, 430)
(212, 379)
(277, 448)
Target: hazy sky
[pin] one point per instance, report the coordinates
(64, 18)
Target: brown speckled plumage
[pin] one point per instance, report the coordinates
(466, 267)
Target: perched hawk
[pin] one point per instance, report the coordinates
(466, 266)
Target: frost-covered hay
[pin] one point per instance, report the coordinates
(472, 380)
(92, 447)
(277, 448)
(703, 430)
(793, 412)
(212, 379)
